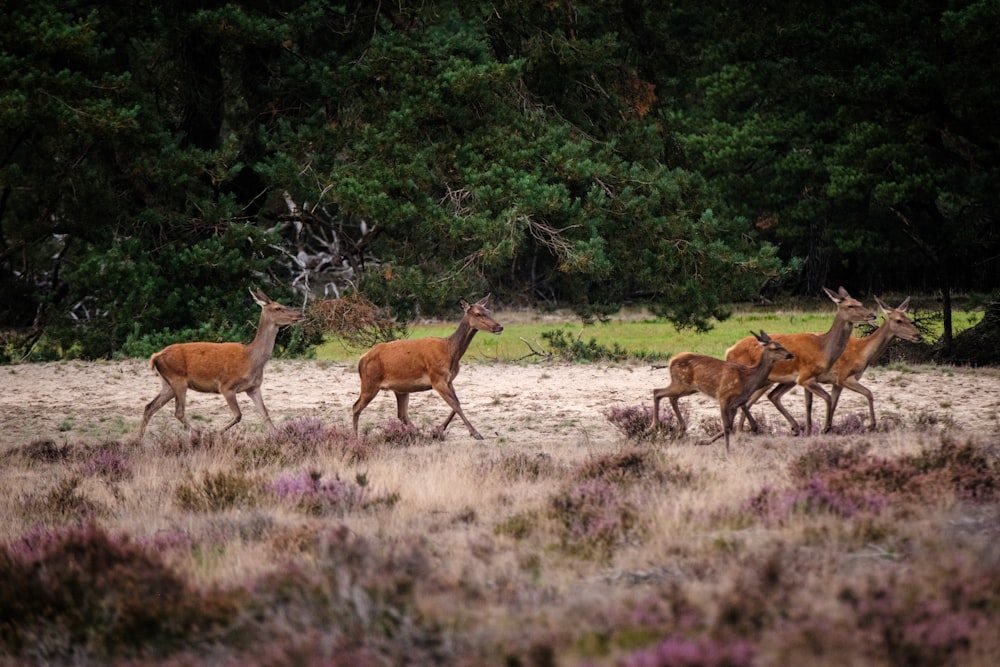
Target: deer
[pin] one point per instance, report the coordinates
(814, 354)
(219, 368)
(729, 383)
(411, 365)
(862, 352)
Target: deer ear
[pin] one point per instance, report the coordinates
(485, 300)
(260, 297)
(464, 304)
(903, 306)
(834, 296)
(885, 309)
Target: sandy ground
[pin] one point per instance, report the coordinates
(518, 403)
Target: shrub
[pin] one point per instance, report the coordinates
(636, 422)
(109, 465)
(361, 594)
(63, 503)
(216, 491)
(679, 652)
(308, 492)
(354, 320)
(46, 451)
(593, 518)
(399, 434)
(82, 593)
(520, 466)
(568, 349)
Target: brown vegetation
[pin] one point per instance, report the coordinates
(570, 536)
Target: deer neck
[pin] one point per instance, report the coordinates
(760, 372)
(835, 340)
(260, 349)
(459, 341)
(876, 343)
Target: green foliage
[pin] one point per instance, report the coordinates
(567, 349)
(157, 161)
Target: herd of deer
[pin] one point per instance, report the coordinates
(752, 366)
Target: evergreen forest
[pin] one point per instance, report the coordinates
(157, 160)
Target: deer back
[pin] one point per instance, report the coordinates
(406, 365)
(697, 371)
(204, 366)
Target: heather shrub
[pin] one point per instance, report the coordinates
(910, 621)
(306, 432)
(109, 465)
(632, 465)
(636, 422)
(361, 593)
(972, 474)
(261, 454)
(960, 469)
(519, 466)
(63, 503)
(82, 594)
(308, 492)
(46, 451)
(773, 507)
(849, 424)
(216, 491)
(519, 526)
(827, 453)
(399, 434)
(621, 467)
(594, 518)
(680, 652)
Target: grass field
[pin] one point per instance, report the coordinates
(639, 333)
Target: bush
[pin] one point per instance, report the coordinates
(81, 592)
(216, 491)
(594, 519)
(308, 492)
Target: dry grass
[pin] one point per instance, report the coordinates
(560, 541)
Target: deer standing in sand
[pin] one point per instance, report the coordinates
(729, 383)
(814, 354)
(219, 368)
(406, 366)
(861, 352)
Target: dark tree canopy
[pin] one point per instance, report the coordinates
(158, 158)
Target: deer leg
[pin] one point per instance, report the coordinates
(672, 395)
(258, 401)
(728, 415)
(166, 393)
(681, 426)
(403, 406)
(180, 403)
(745, 409)
(775, 398)
(367, 394)
(814, 387)
(855, 386)
(447, 392)
(234, 407)
(657, 396)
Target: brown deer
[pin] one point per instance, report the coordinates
(219, 368)
(861, 352)
(729, 383)
(814, 354)
(406, 366)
